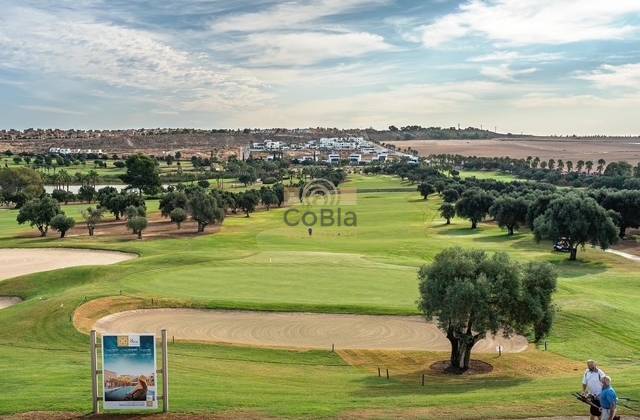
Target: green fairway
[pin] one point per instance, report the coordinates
(487, 175)
(261, 263)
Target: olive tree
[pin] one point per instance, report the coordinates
(577, 219)
(204, 209)
(92, 216)
(248, 201)
(39, 212)
(470, 294)
(474, 205)
(177, 216)
(425, 189)
(137, 224)
(142, 174)
(447, 211)
(510, 212)
(268, 198)
(62, 223)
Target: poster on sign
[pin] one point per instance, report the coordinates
(129, 371)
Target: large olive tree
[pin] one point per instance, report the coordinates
(39, 212)
(470, 293)
(578, 220)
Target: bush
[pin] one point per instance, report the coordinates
(62, 223)
(178, 215)
(137, 224)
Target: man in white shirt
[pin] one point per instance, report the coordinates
(592, 386)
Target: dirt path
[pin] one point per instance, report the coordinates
(18, 262)
(624, 255)
(6, 301)
(295, 330)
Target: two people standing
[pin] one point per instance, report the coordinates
(596, 385)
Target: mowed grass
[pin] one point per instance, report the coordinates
(487, 175)
(261, 263)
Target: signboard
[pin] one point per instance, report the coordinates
(129, 371)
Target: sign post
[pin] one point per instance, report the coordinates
(165, 373)
(94, 373)
(129, 375)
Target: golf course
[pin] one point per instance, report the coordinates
(261, 266)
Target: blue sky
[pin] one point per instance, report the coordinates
(537, 66)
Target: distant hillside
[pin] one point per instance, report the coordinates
(205, 141)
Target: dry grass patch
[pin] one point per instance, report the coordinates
(407, 366)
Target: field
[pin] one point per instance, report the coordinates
(260, 263)
(568, 149)
(110, 174)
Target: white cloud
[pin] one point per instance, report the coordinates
(517, 22)
(287, 15)
(511, 56)
(504, 71)
(76, 46)
(609, 76)
(51, 110)
(410, 103)
(303, 48)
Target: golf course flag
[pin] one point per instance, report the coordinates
(129, 371)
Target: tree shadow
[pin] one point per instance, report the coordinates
(460, 231)
(503, 237)
(579, 268)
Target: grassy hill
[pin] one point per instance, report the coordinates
(261, 263)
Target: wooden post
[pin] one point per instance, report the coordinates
(333, 348)
(165, 372)
(545, 345)
(423, 379)
(379, 375)
(387, 373)
(94, 373)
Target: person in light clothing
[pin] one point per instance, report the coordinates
(592, 387)
(608, 400)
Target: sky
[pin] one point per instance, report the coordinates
(535, 66)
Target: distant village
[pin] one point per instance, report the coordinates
(331, 150)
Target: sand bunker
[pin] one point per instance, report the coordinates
(295, 330)
(18, 262)
(6, 301)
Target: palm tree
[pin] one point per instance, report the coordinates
(529, 159)
(55, 180)
(552, 163)
(65, 178)
(560, 165)
(536, 162)
(589, 165)
(580, 165)
(569, 166)
(92, 178)
(601, 165)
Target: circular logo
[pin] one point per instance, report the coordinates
(320, 191)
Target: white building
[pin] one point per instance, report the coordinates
(334, 159)
(355, 158)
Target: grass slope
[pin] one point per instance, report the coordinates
(260, 263)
